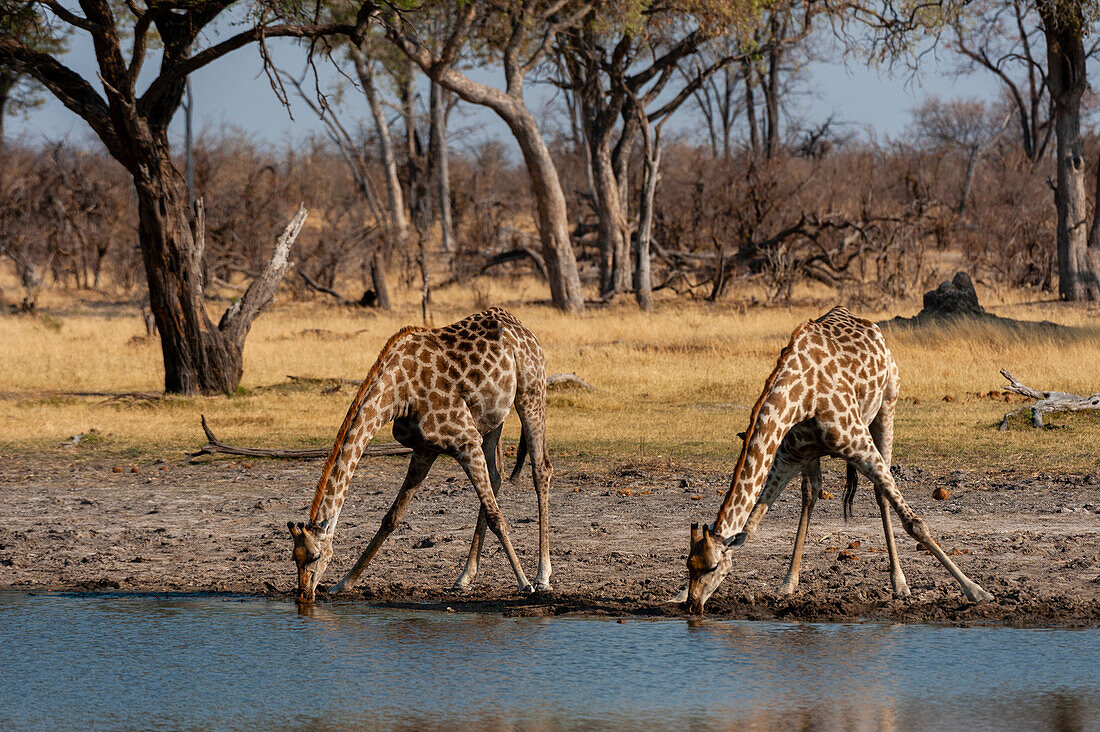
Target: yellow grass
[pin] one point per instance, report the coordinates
(673, 385)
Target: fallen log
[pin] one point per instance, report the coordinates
(553, 380)
(1046, 401)
(214, 445)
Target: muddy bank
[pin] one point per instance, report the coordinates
(619, 539)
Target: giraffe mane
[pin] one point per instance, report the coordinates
(752, 421)
(341, 436)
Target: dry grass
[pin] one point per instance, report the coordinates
(674, 385)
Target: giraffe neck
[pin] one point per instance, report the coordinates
(371, 408)
(363, 420)
(773, 417)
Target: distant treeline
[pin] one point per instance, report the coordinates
(867, 219)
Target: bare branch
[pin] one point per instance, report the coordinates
(180, 71)
(214, 445)
(239, 316)
(70, 17)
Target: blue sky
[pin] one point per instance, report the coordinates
(234, 92)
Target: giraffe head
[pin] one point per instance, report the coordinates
(709, 561)
(312, 553)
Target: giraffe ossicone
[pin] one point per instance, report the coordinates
(833, 392)
(447, 391)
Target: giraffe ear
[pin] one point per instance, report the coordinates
(293, 531)
(696, 536)
(737, 539)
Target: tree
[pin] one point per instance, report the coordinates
(519, 34)
(962, 124)
(1005, 39)
(199, 356)
(1064, 25)
(622, 75)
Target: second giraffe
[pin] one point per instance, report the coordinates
(447, 391)
(833, 392)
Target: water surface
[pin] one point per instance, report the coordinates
(139, 662)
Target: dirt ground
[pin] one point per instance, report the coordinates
(75, 521)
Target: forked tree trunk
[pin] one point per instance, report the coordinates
(199, 357)
(1078, 263)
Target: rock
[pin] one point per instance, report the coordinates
(855, 544)
(426, 543)
(824, 494)
(847, 556)
(941, 494)
(956, 297)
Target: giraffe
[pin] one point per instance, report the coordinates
(833, 391)
(448, 391)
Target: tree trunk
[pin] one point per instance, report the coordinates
(771, 89)
(643, 286)
(198, 358)
(378, 276)
(398, 223)
(749, 75)
(416, 161)
(1078, 270)
(439, 153)
(553, 221)
(614, 232)
(6, 82)
(968, 179)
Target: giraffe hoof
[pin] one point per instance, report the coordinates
(527, 589)
(460, 586)
(542, 587)
(979, 595)
(787, 589)
(902, 592)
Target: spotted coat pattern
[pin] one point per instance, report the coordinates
(833, 392)
(447, 391)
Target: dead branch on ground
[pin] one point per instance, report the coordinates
(1046, 401)
(553, 380)
(214, 445)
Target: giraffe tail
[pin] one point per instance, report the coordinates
(521, 455)
(849, 491)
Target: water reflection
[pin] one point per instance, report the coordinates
(141, 662)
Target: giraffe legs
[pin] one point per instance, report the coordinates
(858, 448)
(811, 486)
(473, 462)
(542, 470)
(882, 434)
(490, 448)
(419, 465)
